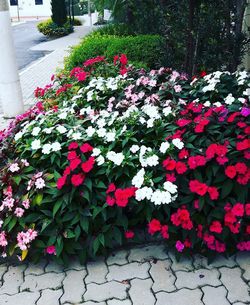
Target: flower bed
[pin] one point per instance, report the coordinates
(109, 150)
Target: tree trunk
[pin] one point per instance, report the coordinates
(190, 38)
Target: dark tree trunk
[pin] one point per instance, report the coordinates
(190, 38)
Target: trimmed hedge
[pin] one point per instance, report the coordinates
(146, 49)
(51, 29)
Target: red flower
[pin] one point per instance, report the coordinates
(164, 232)
(216, 227)
(74, 163)
(122, 196)
(247, 209)
(211, 150)
(72, 155)
(129, 234)
(88, 165)
(180, 167)
(123, 70)
(248, 229)
(110, 201)
(73, 145)
(86, 148)
(183, 122)
(111, 188)
(245, 144)
(232, 117)
(91, 61)
(51, 250)
(195, 161)
(77, 180)
(61, 182)
(197, 187)
(241, 168)
(213, 192)
(230, 171)
(183, 154)
(169, 164)
(123, 59)
(170, 177)
(203, 73)
(67, 171)
(154, 226)
(238, 209)
(81, 76)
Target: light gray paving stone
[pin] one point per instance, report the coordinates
(103, 292)
(36, 269)
(163, 276)
(180, 297)
(23, 298)
(90, 303)
(197, 278)
(147, 253)
(12, 280)
(54, 267)
(214, 295)
(236, 287)
(118, 258)
(39, 282)
(220, 261)
(129, 271)
(97, 272)
(117, 302)
(243, 259)
(75, 264)
(50, 297)
(239, 303)
(3, 269)
(140, 292)
(184, 264)
(73, 285)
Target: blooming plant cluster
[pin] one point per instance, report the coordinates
(110, 150)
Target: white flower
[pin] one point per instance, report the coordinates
(46, 149)
(62, 115)
(36, 131)
(18, 135)
(116, 158)
(101, 123)
(167, 111)
(178, 143)
(217, 104)
(150, 123)
(170, 187)
(100, 160)
(110, 136)
(90, 131)
(152, 160)
(61, 129)
(36, 144)
(229, 99)
(90, 95)
(101, 132)
(25, 162)
(14, 167)
(138, 179)
(242, 100)
(48, 130)
(56, 146)
(160, 197)
(143, 193)
(76, 135)
(207, 104)
(40, 183)
(96, 152)
(164, 147)
(134, 148)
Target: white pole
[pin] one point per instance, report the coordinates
(10, 88)
(90, 13)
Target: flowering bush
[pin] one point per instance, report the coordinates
(110, 150)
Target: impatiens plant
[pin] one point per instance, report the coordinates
(110, 151)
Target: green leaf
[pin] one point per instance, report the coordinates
(38, 199)
(56, 207)
(96, 245)
(84, 222)
(17, 179)
(12, 223)
(101, 239)
(226, 189)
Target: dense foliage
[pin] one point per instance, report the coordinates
(199, 34)
(110, 150)
(144, 49)
(59, 12)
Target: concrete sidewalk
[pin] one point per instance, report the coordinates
(147, 275)
(38, 74)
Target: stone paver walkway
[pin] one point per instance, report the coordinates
(146, 275)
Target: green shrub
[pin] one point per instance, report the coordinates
(51, 29)
(120, 29)
(77, 22)
(146, 49)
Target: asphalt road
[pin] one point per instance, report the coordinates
(26, 36)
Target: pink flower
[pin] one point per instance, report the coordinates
(14, 167)
(129, 234)
(51, 250)
(40, 183)
(179, 246)
(3, 240)
(19, 212)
